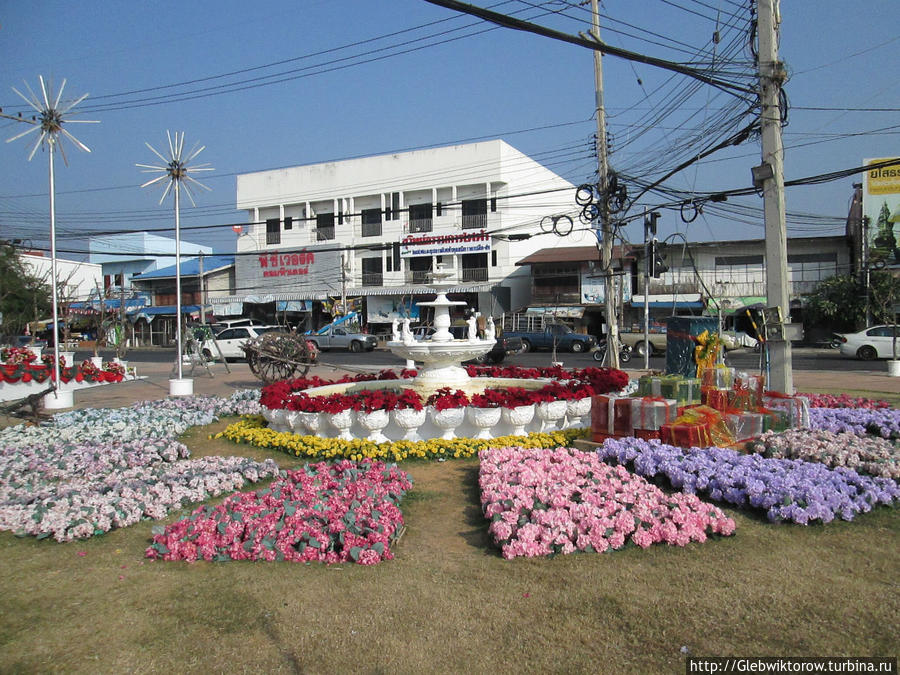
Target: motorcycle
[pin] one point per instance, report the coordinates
(625, 352)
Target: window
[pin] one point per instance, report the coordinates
(493, 205)
(474, 266)
(474, 213)
(371, 222)
(395, 206)
(880, 331)
(371, 272)
(273, 231)
(493, 258)
(420, 217)
(288, 222)
(324, 226)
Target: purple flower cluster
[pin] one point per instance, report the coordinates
(788, 490)
(884, 422)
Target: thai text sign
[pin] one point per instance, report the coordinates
(445, 244)
(275, 264)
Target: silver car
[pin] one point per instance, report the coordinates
(876, 342)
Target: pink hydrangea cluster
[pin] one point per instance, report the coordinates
(542, 502)
(327, 512)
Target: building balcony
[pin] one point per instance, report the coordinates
(416, 276)
(467, 274)
(420, 225)
(372, 279)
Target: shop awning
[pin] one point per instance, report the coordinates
(734, 304)
(149, 313)
(661, 301)
(566, 312)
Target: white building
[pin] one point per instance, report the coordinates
(374, 227)
(77, 279)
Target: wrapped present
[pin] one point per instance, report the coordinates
(651, 412)
(795, 409)
(718, 376)
(717, 432)
(745, 425)
(716, 398)
(611, 414)
(754, 385)
(740, 399)
(649, 385)
(598, 437)
(772, 420)
(648, 434)
(686, 433)
(685, 390)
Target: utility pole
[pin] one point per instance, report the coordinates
(865, 265)
(770, 177)
(606, 241)
(202, 290)
(343, 285)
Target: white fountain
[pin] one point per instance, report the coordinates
(441, 354)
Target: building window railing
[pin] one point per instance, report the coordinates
(420, 225)
(325, 233)
(474, 273)
(273, 237)
(372, 279)
(371, 229)
(474, 221)
(416, 276)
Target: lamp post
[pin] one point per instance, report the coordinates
(176, 174)
(50, 118)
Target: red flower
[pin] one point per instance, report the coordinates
(445, 398)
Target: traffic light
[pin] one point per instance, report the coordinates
(655, 260)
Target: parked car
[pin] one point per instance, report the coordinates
(566, 339)
(730, 340)
(341, 337)
(231, 339)
(503, 344)
(875, 342)
(219, 326)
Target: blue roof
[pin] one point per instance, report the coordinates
(189, 267)
(156, 310)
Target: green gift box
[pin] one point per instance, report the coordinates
(687, 391)
(649, 385)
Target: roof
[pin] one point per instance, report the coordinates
(190, 267)
(569, 254)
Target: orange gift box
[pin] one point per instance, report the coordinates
(611, 414)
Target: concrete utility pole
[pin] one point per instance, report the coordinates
(772, 76)
(606, 242)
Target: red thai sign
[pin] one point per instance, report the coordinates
(277, 264)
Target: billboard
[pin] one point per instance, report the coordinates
(386, 308)
(306, 270)
(881, 205)
(445, 244)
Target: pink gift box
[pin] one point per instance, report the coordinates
(611, 414)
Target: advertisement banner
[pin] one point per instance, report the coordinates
(593, 290)
(881, 205)
(304, 270)
(386, 308)
(445, 244)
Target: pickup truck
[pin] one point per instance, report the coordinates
(730, 340)
(566, 339)
(340, 337)
(503, 345)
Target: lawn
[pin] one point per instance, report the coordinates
(449, 602)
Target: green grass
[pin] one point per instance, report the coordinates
(449, 602)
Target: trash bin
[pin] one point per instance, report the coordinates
(680, 343)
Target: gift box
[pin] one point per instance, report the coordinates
(598, 437)
(716, 399)
(611, 414)
(686, 434)
(649, 385)
(717, 432)
(650, 412)
(745, 425)
(648, 434)
(685, 390)
(741, 399)
(754, 385)
(718, 377)
(794, 409)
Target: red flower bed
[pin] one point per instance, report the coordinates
(12, 373)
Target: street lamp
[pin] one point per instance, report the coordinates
(49, 121)
(176, 174)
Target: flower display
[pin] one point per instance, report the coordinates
(490, 398)
(29, 371)
(17, 355)
(252, 430)
(865, 454)
(542, 502)
(446, 398)
(327, 512)
(88, 471)
(843, 401)
(884, 422)
(786, 489)
(48, 360)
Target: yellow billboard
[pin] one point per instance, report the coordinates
(881, 206)
(884, 180)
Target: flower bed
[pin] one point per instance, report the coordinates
(89, 471)
(253, 431)
(865, 454)
(788, 490)
(884, 422)
(13, 373)
(843, 401)
(326, 512)
(543, 502)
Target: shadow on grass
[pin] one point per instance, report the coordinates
(476, 535)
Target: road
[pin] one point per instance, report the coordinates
(811, 359)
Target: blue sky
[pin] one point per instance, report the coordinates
(314, 81)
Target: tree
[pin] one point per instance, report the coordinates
(841, 300)
(23, 296)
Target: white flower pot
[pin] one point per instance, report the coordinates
(550, 413)
(181, 387)
(893, 368)
(310, 421)
(291, 420)
(373, 422)
(447, 420)
(341, 421)
(518, 418)
(67, 358)
(484, 419)
(410, 420)
(577, 409)
(97, 361)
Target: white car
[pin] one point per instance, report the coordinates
(231, 339)
(872, 343)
